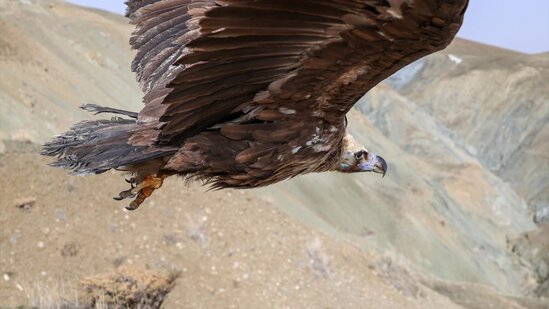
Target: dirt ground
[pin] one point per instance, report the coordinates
(233, 250)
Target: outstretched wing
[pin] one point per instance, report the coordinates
(205, 63)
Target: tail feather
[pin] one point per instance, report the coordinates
(93, 147)
(96, 109)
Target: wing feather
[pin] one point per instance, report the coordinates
(205, 63)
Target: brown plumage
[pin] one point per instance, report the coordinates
(246, 93)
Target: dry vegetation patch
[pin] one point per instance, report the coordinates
(126, 288)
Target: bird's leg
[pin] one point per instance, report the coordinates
(145, 188)
(142, 190)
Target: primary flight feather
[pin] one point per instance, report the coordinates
(246, 93)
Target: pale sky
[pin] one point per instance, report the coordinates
(518, 25)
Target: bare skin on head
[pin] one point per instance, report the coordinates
(356, 158)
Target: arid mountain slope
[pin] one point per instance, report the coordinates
(55, 57)
(233, 250)
(497, 102)
(439, 208)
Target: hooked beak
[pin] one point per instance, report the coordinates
(380, 166)
(376, 164)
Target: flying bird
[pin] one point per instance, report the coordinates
(247, 93)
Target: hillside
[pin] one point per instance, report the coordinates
(225, 245)
(55, 57)
(449, 216)
(439, 207)
(497, 102)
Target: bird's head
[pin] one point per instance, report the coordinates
(355, 158)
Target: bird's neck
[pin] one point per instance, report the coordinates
(344, 159)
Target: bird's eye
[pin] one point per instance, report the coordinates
(359, 155)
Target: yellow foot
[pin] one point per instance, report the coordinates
(142, 190)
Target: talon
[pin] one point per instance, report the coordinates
(142, 190)
(141, 197)
(132, 181)
(132, 206)
(124, 195)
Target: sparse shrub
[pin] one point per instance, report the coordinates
(127, 288)
(318, 259)
(195, 229)
(398, 276)
(51, 295)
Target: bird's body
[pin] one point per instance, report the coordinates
(246, 93)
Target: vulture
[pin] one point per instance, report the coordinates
(247, 93)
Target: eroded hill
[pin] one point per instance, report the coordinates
(444, 209)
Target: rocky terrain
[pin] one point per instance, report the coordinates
(460, 220)
(497, 103)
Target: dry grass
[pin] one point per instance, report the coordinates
(52, 295)
(319, 261)
(126, 288)
(396, 273)
(195, 230)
